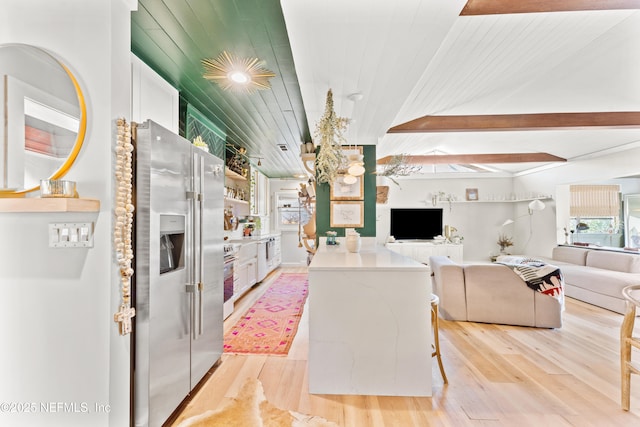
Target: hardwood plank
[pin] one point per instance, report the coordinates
(499, 375)
(498, 7)
(462, 159)
(521, 122)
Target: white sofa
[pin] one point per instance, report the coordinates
(597, 276)
(490, 293)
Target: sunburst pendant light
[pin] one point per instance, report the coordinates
(237, 74)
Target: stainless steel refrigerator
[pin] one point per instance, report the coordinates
(178, 287)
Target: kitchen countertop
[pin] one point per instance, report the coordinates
(253, 239)
(369, 258)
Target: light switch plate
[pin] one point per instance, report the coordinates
(71, 235)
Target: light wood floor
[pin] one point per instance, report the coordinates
(498, 376)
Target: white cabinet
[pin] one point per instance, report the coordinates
(251, 273)
(246, 278)
(276, 258)
(152, 97)
(269, 256)
(421, 251)
(245, 269)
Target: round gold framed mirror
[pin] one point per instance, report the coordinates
(44, 118)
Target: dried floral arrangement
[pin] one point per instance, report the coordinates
(504, 241)
(330, 133)
(398, 166)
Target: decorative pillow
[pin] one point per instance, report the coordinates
(616, 261)
(576, 256)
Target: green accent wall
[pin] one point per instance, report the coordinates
(323, 202)
(198, 124)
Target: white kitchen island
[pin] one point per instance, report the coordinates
(369, 323)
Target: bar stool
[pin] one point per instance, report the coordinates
(627, 341)
(436, 340)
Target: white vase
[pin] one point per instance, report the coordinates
(353, 242)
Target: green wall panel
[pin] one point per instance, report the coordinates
(213, 136)
(323, 202)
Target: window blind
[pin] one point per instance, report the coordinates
(594, 200)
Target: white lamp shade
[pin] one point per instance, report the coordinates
(356, 169)
(507, 222)
(349, 179)
(536, 205)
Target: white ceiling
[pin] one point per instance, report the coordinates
(413, 58)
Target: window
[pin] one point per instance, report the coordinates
(594, 201)
(595, 212)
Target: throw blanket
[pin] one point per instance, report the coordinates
(539, 276)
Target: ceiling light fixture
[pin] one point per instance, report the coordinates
(237, 74)
(259, 160)
(356, 165)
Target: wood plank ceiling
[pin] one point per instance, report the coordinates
(517, 122)
(476, 59)
(432, 59)
(174, 36)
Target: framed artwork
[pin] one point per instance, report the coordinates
(348, 214)
(343, 191)
(472, 194)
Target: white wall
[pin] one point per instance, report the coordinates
(478, 222)
(60, 344)
(549, 223)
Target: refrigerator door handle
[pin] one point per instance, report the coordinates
(201, 307)
(201, 232)
(190, 288)
(196, 247)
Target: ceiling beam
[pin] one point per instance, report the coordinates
(500, 7)
(465, 159)
(520, 122)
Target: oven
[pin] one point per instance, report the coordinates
(229, 260)
(228, 278)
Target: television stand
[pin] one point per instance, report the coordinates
(421, 250)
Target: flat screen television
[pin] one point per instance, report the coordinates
(415, 224)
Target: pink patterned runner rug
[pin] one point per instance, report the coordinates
(270, 325)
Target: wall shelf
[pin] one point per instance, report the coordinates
(497, 201)
(52, 204)
(242, 202)
(233, 175)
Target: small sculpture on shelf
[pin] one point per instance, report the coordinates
(199, 142)
(331, 238)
